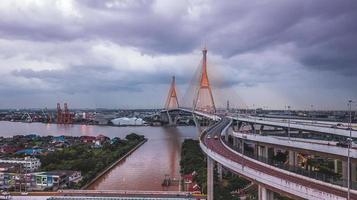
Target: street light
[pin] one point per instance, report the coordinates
(289, 123)
(312, 108)
(349, 141)
(255, 118)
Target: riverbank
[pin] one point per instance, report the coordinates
(113, 165)
(90, 160)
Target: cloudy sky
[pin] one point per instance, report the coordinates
(122, 53)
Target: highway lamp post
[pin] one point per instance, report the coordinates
(255, 118)
(312, 109)
(238, 120)
(289, 122)
(242, 149)
(349, 141)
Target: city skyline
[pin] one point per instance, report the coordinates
(122, 54)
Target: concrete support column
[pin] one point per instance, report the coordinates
(270, 151)
(336, 166)
(353, 172)
(256, 152)
(239, 144)
(210, 165)
(226, 133)
(170, 119)
(344, 170)
(260, 151)
(265, 194)
(275, 151)
(220, 171)
(235, 144)
(263, 151)
(293, 160)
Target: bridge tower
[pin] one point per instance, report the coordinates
(204, 98)
(172, 101)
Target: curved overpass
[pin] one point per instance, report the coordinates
(323, 147)
(267, 176)
(298, 125)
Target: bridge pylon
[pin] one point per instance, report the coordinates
(171, 100)
(204, 98)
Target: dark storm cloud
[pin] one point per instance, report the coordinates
(303, 36)
(322, 32)
(84, 79)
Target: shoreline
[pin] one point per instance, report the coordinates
(87, 124)
(99, 125)
(110, 167)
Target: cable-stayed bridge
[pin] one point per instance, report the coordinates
(225, 140)
(241, 145)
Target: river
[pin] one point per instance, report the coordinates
(144, 169)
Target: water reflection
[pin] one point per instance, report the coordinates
(174, 147)
(146, 168)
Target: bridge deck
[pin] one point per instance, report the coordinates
(302, 144)
(312, 127)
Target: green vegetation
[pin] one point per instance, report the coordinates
(88, 160)
(193, 159)
(280, 157)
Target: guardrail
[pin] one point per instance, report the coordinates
(299, 126)
(335, 180)
(309, 145)
(302, 191)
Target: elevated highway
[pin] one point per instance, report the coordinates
(266, 176)
(196, 112)
(326, 128)
(317, 146)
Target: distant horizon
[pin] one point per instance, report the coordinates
(220, 108)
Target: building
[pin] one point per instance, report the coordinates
(88, 139)
(101, 139)
(125, 121)
(8, 149)
(54, 180)
(30, 152)
(59, 139)
(39, 181)
(10, 167)
(189, 183)
(29, 164)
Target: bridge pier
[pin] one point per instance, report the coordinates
(293, 159)
(252, 125)
(226, 134)
(264, 193)
(263, 152)
(336, 166)
(220, 171)
(210, 181)
(344, 170)
(236, 142)
(353, 172)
